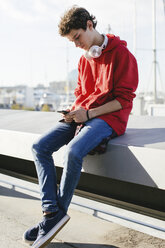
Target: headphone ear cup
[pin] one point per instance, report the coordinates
(87, 56)
(95, 51)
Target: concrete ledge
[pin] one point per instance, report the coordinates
(136, 157)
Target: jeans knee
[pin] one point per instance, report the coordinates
(34, 148)
(38, 147)
(73, 155)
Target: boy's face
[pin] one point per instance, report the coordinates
(82, 38)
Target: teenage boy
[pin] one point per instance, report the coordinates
(107, 80)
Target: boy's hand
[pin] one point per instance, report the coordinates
(78, 115)
(67, 117)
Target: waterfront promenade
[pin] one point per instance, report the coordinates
(19, 211)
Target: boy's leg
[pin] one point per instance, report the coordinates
(89, 137)
(42, 150)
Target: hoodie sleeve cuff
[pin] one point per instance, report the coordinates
(124, 103)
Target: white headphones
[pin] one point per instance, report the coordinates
(96, 51)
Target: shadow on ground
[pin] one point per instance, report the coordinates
(13, 193)
(79, 245)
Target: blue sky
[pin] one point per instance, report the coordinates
(32, 51)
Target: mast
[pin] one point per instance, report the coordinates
(67, 72)
(154, 47)
(134, 29)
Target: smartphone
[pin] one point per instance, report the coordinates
(63, 112)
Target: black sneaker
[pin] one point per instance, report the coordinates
(49, 227)
(31, 235)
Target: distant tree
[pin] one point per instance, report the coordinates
(45, 107)
(16, 106)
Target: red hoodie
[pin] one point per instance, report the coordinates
(114, 75)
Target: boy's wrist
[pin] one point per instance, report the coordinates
(91, 113)
(87, 113)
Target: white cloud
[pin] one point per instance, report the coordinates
(10, 9)
(40, 7)
(28, 11)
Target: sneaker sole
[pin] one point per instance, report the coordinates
(52, 233)
(27, 241)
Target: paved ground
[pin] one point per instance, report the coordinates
(19, 211)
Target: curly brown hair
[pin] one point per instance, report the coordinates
(75, 18)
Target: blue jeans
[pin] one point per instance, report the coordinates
(77, 147)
